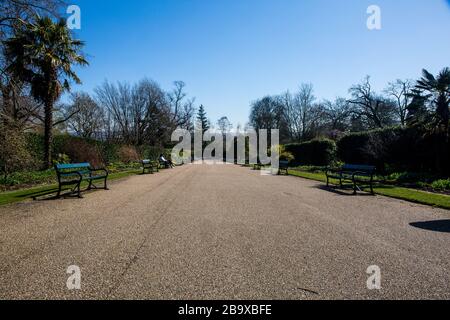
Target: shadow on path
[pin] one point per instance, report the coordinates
(346, 190)
(437, 225)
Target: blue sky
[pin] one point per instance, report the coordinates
(231, 52)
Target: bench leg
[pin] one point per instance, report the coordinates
(355, 188)
(328, 181)
(79, 190)
(106, 186)
(58, 195)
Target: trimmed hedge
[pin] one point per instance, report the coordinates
(396, 149)
(317, 152)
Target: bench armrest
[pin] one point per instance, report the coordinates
(99, 169)
(333, 170)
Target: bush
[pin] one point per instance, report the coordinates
(62, 159)
(151, 153)
(14, 154)
(78, 150)
(128, 154)
(283, 154)
(442, 185)
(409, 177)
(317, 152)
(395, 149)
(35, 147)
(27, 178)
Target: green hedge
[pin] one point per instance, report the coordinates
(396, 149)
(317, 152)
(87, 150)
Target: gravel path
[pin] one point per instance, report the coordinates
(223, 232)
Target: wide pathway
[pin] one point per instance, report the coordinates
(223, 232)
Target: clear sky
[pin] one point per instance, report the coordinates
(231, 52)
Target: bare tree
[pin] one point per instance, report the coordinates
(182, 107)
(116, 100)
(269, 113)
(304, 102)
(11, 11)
(374, 111)
(139, 114)
(338, 114)
(401, 93)
(292, 115)
(86, 118)
(224, 125)
(305, 117)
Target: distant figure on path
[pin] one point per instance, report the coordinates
(167, 163)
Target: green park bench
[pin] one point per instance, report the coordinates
(284, 166)
(258, 166)
(149, 165)
(74, 174)
(354, 173)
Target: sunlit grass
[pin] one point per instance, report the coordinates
(27, 194)
(417, 196)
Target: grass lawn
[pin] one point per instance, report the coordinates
(26, 194)
(422, 197)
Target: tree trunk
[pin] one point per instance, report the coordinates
(48, 134)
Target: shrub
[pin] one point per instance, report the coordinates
(317, 152)
(14, 154)
(27, 178)
(151, 153)
(441, 185)
(78, 150)
(394, 149)
(35, 147)
(409, 177)
(62, 159)
(128, 154)
(283, 154)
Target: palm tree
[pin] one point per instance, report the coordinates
(41, 53)
(438, 90)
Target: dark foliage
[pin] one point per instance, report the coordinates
(317, 152)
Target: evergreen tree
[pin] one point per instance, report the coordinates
(202, 119)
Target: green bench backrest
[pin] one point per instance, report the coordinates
(284, 164)
(354, 167)
(146, 161)
(72, 166)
